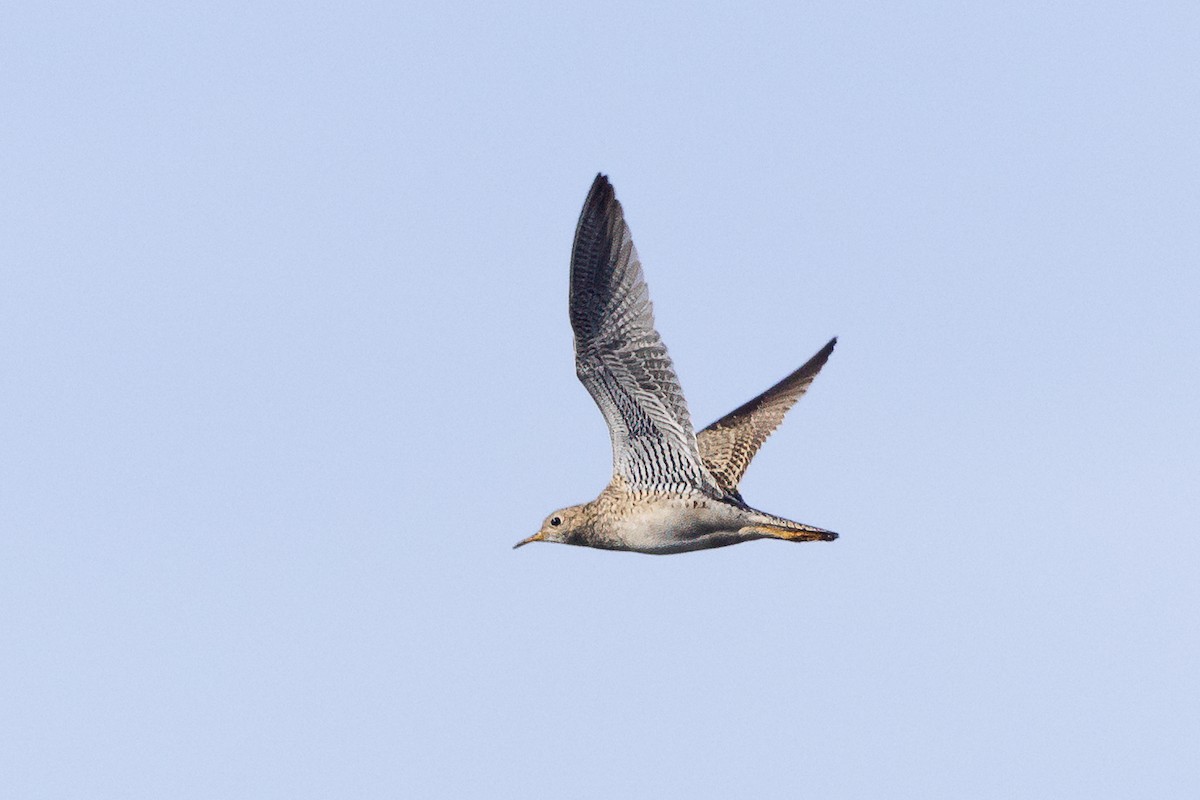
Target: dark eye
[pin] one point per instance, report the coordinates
(556, 521)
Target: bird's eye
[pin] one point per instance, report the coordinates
(556, 521)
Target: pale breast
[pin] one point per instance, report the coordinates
(672, 525)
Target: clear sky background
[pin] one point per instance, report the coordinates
(285, 370)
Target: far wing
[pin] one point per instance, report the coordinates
(728, 445)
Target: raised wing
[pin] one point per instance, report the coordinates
(620, 358)
(728, 445)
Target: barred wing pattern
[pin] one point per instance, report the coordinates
(622, 361)
(728, 445)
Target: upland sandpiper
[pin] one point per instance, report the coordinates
(672, 490)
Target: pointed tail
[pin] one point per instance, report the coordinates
(790, 531)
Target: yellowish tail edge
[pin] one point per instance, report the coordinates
(805, 533)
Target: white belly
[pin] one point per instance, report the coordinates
(677, 526)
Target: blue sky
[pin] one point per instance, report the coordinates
(287, 371)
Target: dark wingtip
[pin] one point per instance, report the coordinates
(600, 193)
(814, 364)
(601, 202)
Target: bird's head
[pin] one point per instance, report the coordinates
(563, 526)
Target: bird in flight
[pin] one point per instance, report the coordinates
(672, 489)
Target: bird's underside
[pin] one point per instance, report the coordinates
(673, 490)
(676, 523)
